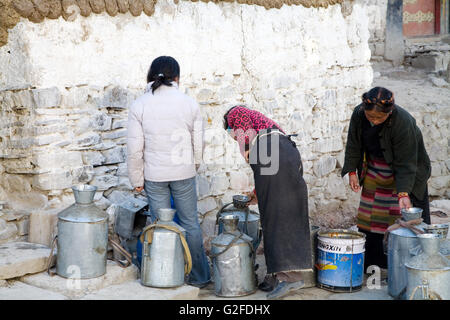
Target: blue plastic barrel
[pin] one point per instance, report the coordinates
(340, 260)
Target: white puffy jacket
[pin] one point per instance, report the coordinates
(165, 136)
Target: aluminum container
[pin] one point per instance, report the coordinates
(233, 261)
(429, 272)
(400, 243)
(411, 213)
(82, 237)
(249, 221)
(439, 229)
(445, 248)
(126, 217)
(163, 259)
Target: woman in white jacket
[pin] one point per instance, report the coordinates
(165, 147)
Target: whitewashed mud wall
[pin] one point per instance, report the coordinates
(66, 86)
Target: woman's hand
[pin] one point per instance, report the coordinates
(404, 203)
(138, 189)
(253, 198)
(353, 181)
(246, 155)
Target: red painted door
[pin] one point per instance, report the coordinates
(419, 17)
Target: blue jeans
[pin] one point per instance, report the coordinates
(184, 195)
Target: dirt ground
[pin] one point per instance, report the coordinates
(413, 88)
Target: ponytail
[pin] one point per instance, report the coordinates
(163, 71)
(160, 80)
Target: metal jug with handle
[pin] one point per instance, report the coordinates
(428, 272)
(165, 253)
(233, 260)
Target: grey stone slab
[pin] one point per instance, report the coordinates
(75, 289)
(47, 98)
(311, 293)
(134, 290)
(364, 294)
(43, 226)
(20, 258)
(21, 291)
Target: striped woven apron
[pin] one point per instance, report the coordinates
(378, 208)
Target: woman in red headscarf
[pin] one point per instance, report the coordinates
(281, 194)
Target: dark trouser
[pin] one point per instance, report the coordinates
(424, 205)
(374, 254)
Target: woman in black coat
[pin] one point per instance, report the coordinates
(385, 154)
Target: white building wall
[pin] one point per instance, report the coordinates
(66, 86)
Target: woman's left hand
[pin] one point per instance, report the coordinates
(138, 189)
(404, 203)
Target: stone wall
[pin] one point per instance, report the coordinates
(433, 120)
(376, 10)
(431, 55)
(66, 86)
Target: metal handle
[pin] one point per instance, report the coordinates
(50, 258)
(223, 208)
(411, 297)
(427, 294)
(220, 211)
(247, 212)
(435, 296)
(235, 239)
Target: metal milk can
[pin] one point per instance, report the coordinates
(165, 253)
(249, 221)
(428, 272)
(82, 237)
(400, 243)
(233, 260)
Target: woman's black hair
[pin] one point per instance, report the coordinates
(379, 98)
(225, 116)
(163, 71)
